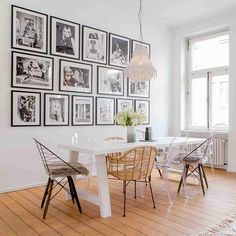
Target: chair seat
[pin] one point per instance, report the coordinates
(57, 169)
(168, 164)
(194, 159)
(128, 175)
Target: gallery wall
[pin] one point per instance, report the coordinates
(179, 35)
(20, 165)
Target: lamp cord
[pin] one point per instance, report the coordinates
(140, 20)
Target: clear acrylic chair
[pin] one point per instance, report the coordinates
(84, 158)
(169, 161)
(111, 140)
(58, 170)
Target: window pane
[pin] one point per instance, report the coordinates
(210, 53)
(220, 101)
(199, 102)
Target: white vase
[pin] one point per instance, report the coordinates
(131, 134)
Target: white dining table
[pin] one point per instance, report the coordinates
(99, 150)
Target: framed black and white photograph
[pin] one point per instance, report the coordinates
(105, 111)
(56, 109)
(75, 77)
(138, 88)
(32, 71)
(82, 110)
(94, 45)
(143, 107)
(147, 45)
(65, 38)
(119, 50)
(25, 108)
(110, 81)
(29, 30)
(123, 104)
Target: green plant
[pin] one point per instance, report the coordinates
(129, 118)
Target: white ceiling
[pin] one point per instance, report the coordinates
(177, 12)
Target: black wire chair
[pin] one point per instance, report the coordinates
(58, 168)
(193, 163)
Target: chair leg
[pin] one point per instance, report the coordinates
(45, 193)
(48, 198)
(200, 175)
(184, 181)
(71, 190)
(158, 169)
(166, 184)
(75, 194)
(160, 172)
(180, 182)
(204, 175)
(135, 189)
(185, 173)
(183, 177)
(124, 191)
(153, 201)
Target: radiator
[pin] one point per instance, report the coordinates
(219, 153)
(219, 158)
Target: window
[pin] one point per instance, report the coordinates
(208, 82)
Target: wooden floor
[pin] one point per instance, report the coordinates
(20, 212)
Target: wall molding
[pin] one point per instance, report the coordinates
(12, 189)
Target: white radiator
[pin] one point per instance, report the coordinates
(219, 157)
(219, 153)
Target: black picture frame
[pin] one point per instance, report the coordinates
(120, 65)
(61, 80)
(15, 43)
(92, 110)
(139, 42)
(84, 58)
(113, 110)
(46, 113)
(99, 82)
(24, 110)
(53, 38)
(148, 112)
(139, 94)
(123, 99)
(15, 68)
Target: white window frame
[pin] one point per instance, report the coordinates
(208, 73)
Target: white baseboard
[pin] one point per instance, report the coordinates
(231, 170)
(12, 189)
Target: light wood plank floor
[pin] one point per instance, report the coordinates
(20, 212)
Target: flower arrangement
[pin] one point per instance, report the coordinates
(129, 118)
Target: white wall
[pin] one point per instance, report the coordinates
(178, 72)
(20, 165)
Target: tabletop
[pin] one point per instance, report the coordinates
(99, 148)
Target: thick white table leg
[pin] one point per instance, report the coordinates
(103, 188)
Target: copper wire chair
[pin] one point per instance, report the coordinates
(58, 170)
(133, 165)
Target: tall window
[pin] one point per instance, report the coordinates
(208, 82)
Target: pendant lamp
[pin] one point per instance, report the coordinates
(140, 67)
